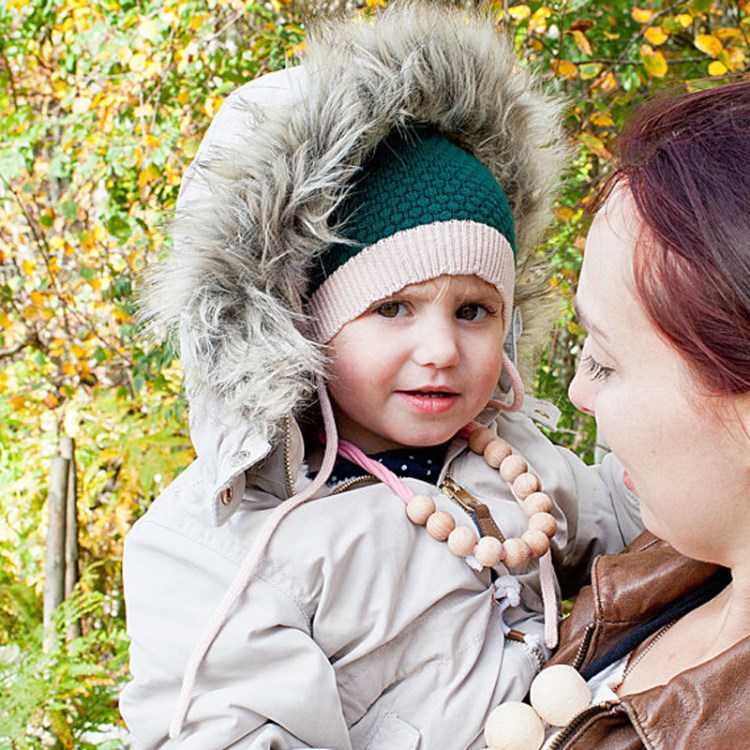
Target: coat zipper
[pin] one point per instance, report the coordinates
(290, 483)
(478, 512)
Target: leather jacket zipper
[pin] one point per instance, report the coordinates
(588, 634)
(289, 478)
(578, 721)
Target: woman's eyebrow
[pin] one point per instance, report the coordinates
(586, 323)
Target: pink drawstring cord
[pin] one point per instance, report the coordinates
(250, 564)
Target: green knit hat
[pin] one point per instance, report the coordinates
(421, 207)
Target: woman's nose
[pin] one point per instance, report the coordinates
(581, 392)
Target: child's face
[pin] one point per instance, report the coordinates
(419, 365)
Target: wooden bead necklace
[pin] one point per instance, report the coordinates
(463, 541)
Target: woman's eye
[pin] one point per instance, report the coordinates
(595, 370)
(472, 312)
(391, 309)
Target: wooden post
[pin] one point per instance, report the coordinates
(67, 449)
(54, 567)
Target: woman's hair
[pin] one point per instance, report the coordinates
(686, 160)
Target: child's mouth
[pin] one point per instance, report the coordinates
(430, 401)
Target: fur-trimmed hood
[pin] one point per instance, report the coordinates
(256, 204)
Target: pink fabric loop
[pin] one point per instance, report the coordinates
(549, 598)
(385, 475)
(517, 384)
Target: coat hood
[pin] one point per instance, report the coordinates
(256, 205)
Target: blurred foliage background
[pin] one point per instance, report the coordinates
(102, 106)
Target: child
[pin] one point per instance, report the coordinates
(355, 224)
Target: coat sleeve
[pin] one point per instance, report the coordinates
(609, 518)
(264, 683)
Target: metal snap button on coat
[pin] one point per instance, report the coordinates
(226, 495)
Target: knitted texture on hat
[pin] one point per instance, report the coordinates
(415, 177)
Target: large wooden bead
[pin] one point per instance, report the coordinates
(489, 551)
(514, 726)
(480, 438)
(537, 541)
(524, 484)
(537, 502)
(516, 553)
(462, 540)
(420, 508)
(440, 524)
(558, 693)
(544, 522)
(496, 452)
(511, 467)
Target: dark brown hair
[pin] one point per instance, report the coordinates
(686, 161)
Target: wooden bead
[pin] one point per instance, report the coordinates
(440, 524)
(496, 451)
(420, 508)
(514, 726)
(558, 693)
(537, 502)
(489, 551)
(524, 484)
(462, 540)
(544, 522)
(537, 541)
(480, 438)
(511, 467)
(516, 553)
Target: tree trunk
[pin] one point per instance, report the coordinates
(67, 449)
(54, 568)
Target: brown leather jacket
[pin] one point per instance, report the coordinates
(704, 707)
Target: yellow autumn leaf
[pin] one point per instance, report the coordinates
(595, 145)
(519, 12)
(565, 69)
(51, 401)
(37, 298)
(654, 61)
(709, 44)
(564, 213)
(68, 368)
(28, 267)
(582, 42)
(737, 57)
(17, 402)
(684, 19)
(716, 68)
(608, 83)
(728, 32)
(5, 321)
(147, 29)
(642, 15)
(78, 351)
(601, 119)
(655, 35)
(538, 21)
(137, 62)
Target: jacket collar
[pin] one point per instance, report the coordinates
(233, 457)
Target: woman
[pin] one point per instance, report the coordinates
(663, 633)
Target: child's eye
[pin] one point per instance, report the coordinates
(595, 370)
(391, 309)
(473, 311)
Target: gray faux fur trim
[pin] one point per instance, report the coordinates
(236, 283)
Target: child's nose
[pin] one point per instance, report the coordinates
(436, 346)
